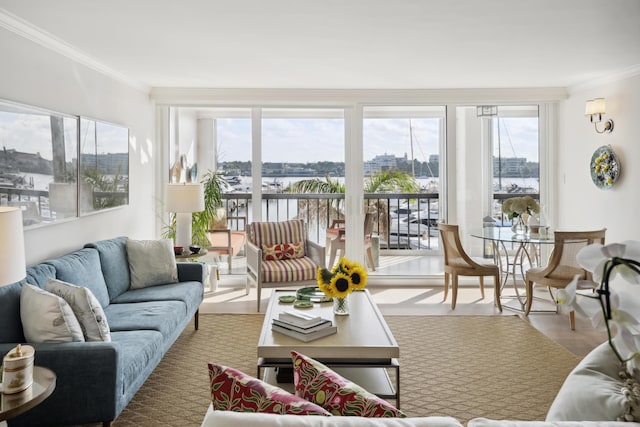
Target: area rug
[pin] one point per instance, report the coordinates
(462, 366)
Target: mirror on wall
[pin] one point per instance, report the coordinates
(104, 165)
(38, 163)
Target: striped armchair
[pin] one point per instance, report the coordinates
(279, 254)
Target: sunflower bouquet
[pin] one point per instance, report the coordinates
(344, 278)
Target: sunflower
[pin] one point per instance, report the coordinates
(344, 278)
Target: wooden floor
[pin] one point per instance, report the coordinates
(423, 300)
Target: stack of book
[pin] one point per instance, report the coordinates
(303, 326)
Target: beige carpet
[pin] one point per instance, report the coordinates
(462, 366)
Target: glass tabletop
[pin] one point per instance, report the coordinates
(505, 234)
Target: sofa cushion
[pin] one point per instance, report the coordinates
(47, 317)
(273, 233)
(250, 419)
(161, 316)
(282, 251)
(113, 260)
(289, 270)
(593, 391)
(82, 267)
(151, 262)
(86, 308)
(232, 390)
(319, 384)
(188, 292)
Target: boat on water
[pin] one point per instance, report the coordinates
(15, 180)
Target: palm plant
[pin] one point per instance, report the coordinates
(382, 182)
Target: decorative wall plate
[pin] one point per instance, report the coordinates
(605, 167)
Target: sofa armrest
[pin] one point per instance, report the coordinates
(316, 253)
(88, 384)
(191, 272)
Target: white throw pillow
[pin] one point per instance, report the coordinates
(85, 306)
(47, 317)
(151, 262)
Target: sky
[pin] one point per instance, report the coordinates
(31, 133)
(312, 140)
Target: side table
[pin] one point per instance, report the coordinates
(12, 405)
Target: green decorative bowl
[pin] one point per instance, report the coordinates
(313, 294)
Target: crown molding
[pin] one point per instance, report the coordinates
(242, 97)
(623, 74)
(37, 35)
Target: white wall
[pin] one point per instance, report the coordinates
(581, 204)
(31, 74)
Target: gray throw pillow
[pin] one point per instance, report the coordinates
(85, 306)
(47, 317)
(151, 262)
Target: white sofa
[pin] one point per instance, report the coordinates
(592, 391)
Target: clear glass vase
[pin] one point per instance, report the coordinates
(519, 227)
(341, 306)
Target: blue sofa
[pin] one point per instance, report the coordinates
(96, 380)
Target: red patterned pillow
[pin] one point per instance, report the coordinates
(282, 251)
(232, 390)
(319, 384)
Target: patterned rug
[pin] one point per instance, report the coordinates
(462, 366)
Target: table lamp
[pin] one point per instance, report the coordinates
(12, 261)
(183, 200)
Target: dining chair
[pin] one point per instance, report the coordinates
(458, 263)
(337, 243)
(562, 266)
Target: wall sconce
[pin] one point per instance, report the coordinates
(595, 109)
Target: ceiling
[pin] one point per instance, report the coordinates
(341, 44)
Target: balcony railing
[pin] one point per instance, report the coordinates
(403, 220)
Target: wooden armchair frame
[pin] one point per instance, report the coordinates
(562, 266)
(458, 263)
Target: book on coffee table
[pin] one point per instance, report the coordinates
(300, 319)
(308, 336)
(324, 323)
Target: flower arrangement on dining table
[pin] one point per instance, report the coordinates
(516, 206)
(345, 277)
(606, 306)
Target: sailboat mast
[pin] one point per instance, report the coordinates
(413, 167)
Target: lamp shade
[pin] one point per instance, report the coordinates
(185, 198)
(12, 261)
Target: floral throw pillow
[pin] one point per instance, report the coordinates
(232, 390)
(319, 384)
(282, 251)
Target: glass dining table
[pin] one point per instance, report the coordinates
(515, 254)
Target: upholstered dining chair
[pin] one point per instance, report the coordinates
(338, 240)
(562, 266)
(280, 254)
(458, 263)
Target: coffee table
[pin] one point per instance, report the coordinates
(362, 350)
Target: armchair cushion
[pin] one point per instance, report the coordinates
(289, 270)
(274, 233)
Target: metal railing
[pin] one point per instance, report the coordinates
(403, 220)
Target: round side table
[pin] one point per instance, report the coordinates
(12, 405)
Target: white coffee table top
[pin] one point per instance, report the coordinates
(363, 336)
